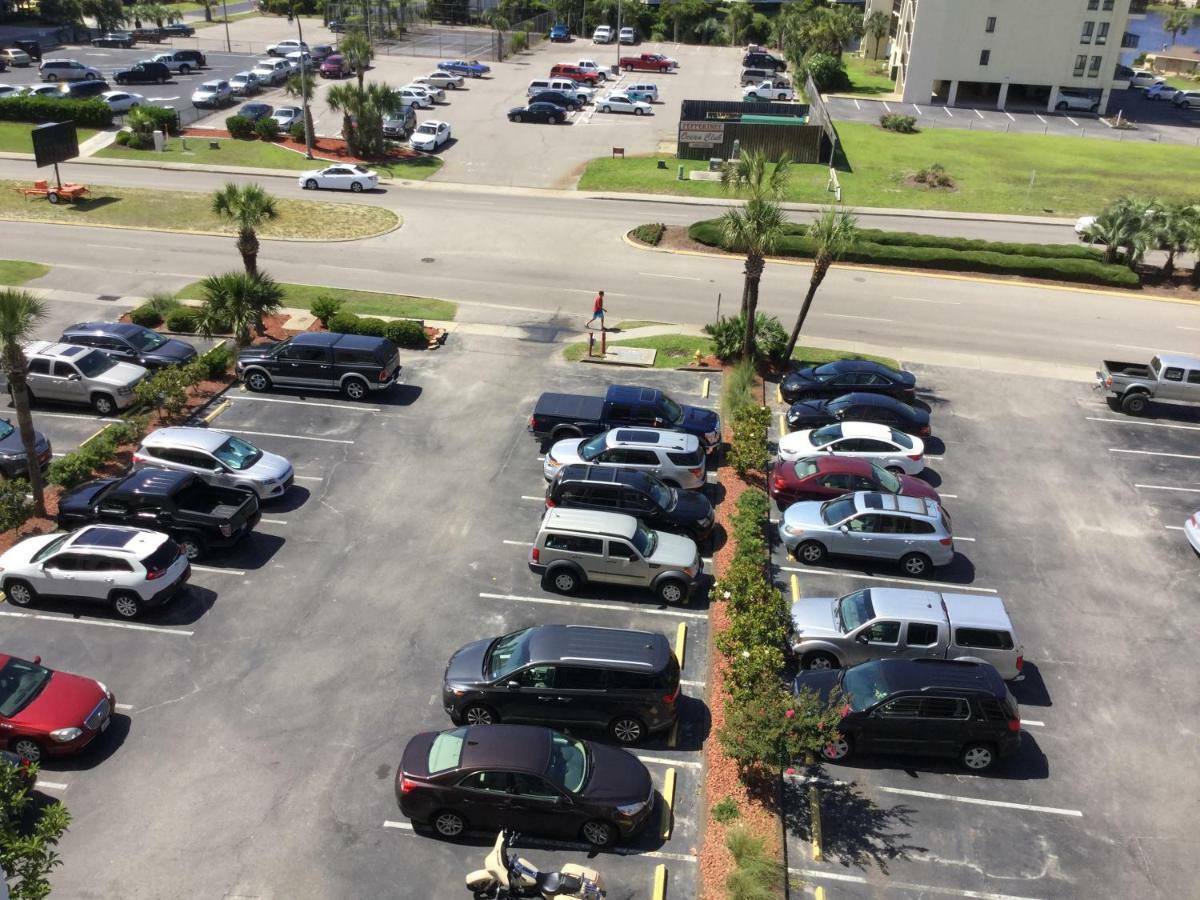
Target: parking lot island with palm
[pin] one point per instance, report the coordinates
(415, 462)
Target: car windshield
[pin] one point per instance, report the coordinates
(901, 439)
(674, 410)
(50, 549)
(827, 371)
(6, 429)
(20, 683)
(426, 128)
(826, 435)
(886, 479)
(149, 340)
(853, 610)
(645, 540)
(864, 685)
(834, 511)
(568, 766)
(93, 364)
(446, 751)
(663, 496)
(507, 654)
(237, 454)
(593, 447)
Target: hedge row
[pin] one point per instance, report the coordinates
(84, 113)
(401, 332)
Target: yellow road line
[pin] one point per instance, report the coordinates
(819, 892)
(779, 393)
(680, 643)
(668, 793)
(814, 814)
(673, 737)
(660, 882)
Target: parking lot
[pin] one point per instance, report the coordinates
(261, 717)
(1067, 510)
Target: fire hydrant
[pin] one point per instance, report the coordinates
(699, 357)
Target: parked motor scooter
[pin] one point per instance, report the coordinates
(505, 875)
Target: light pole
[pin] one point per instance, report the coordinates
(308, 129)
(618, 67)
(225, 15)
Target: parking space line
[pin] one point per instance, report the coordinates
(1040, 119)
(50, 785)
(403, 826)
(1010, 116)
(320, 478)
(1163, 487)
(977, 801)
(283, 522)
(124, 707)
(1140, 422)
(668, 805)
(519, 543)
(918, 109)
(1153, 453)
(1174, 527)
(951, 496)
(216, 570)
(857, 105)
(531, 497)
(946, 109)
(1072, 121)
(1033, 722)
(99, 623)
(964, 587)
(663, 761)
(296, 437)
(978, 113)
(885, 106)
(958, 538)
(687, 683)
(50, 415)
(680, 643)
(354, 406)
(919, 889)
(619, 851)
(590, 605)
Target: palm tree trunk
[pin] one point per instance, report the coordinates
(247, 244)
(746, 287)
(818, 275)
(748, 345)
(1169, 266)
(208, 12)
(20, 397)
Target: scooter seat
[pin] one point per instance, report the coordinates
(551, 883)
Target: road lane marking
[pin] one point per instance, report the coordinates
(589, 605)
(295, 437)
(217, 571)
(926, 300)
(99, 623)
(845, 316)
(681, 277)
(1139, 422)
(977, 801)
(1072, 121)
(354, 406)
(1186, 328)
(1153, 453)
(1163, 487)
(50, 785)
(961, 587)
(919, 889)
(664, 761)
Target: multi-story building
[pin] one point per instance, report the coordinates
(1001, 52)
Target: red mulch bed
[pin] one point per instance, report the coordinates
(331, 149)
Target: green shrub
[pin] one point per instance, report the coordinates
(406, 333)
(726, 810)
(84, 113)
(325, 307)
(520, 41)
(215, 362)
(146, 316)
(240, 127)
(657, 36)
(70, 470)
(935, 176)
(728, 333)
(148, 119)
(15, 506)
(402, 332)
(370, 326)
(828, 72)
(122, 138)
(343, 323)
(649, 234)
(296, 131)
(139, 141)
(748, 449)
(900, 123)
(737, 390)
(774, 727)
(266, 129)
(165, 391)
(755, 875)
(183, 319)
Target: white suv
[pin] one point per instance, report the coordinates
(676, 458)
(1084, 102)
(131, 569)
(283, 48)
(602, 35)
(218, 458)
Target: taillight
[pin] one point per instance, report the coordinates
(698, 473)
(779, 483)
(1108, 381)
(946, 542)
(1020, 663)
(533, 422)
(151, 574)
(383, 375)
(672, 697)
(226, 530)
(407, 784)
(535, 554)
(925, 430)
(1014, 725)
(914, 456)
(550, 504)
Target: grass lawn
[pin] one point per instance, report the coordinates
(868, 77)
(14, 136)
(679, 350)
(186, 211)
(263, 155)
(637, 323)
(363, 303)
(18, 271)
(991, 171)
(1183, 84)
(217, 20)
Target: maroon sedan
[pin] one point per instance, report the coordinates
(46, 713)
(825, 477)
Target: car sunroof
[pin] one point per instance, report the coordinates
(105, 537)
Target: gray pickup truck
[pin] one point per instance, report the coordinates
(1171, 377)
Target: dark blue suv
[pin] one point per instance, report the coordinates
(126, 342)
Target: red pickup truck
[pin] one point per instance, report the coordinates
(649, 62)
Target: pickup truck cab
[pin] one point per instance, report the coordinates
(354, 364)
(557, 417)
(648, 62)
(879, 623)
(589, 65)
(197, 516)
(1171, 377)
(777, 89)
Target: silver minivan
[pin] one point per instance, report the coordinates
(577, 546)
(676, 458)
(69, 373)
(67, 70)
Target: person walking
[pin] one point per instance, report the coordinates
(598, 311)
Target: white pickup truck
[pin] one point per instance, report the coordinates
(769, 90)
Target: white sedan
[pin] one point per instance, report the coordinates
(435, 93)
(625, 104)
(8, 90)
(340, 178)
(287, 116)
(119, 101)
(430, 135)
(1083, 223)
(894, 450)
(441, 79)
(1161, 91)
(414, 96)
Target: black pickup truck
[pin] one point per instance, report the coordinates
(198, 516)
(557, 417)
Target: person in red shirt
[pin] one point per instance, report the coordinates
(598, 311)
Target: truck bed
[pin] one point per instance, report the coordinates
(569, 407)
(1136, 370)
(218, 504)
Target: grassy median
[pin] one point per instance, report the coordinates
(361, 303)
(18, 271)
(675, 350)
(14, 136)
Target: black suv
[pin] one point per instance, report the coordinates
(148, 72)
(567, 675)
(125, 342)
(763, 61)
(924, 707)
(322, 360)
(83, 90)
(635, 493)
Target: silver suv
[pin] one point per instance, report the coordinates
(69, 373)
(575, 546)
(676, 458)
(911, 530)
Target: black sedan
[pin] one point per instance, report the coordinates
(121, 39)
(13, 463)
(845, 375)
(256, 111)
(557, 98)
(488, 777)
(131, 343)
(859, 407)
(538, 112)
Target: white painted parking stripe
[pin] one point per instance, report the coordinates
(1072, 121)
(274, 521)
(1152, 453)
(99, 623)
(124, 707)
(403, 826)
(1040, 119)
(1140, 422)
(687, 683)
(1033, 722)
(978, 113)
(977, 801)
(317, 478)
(50, 415)
(960, 538)
(1174, 527)
(1163, 487)
(216, 571)
(946, 109)
(936, 458)
(519, 543)
(857, 105)
(50, 785)
(295, 437)
(354, 406)
(918, 109)
(951, 496)
(885, 106)
(589, 605)
(1010, 116)
(919, 889)
(531, 497)
(665, 761)
(961, 587)
(1186, 328)
(526, 840)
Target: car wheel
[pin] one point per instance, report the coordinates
(671, 591)
(605, 109)
(449, 824)
(191, 545)
(27, 749)
(811, 553)
(1061, 105)
(52, 78)
(185, 69)
(978, 757)
(258, 382)
(564, 580)
(478, 714)
(783, 96)
(89, 77)
(629, 68)
(163, 80)
(127, 604)
(355, 388)
(356, 187)
(637, 110)
(915, 564)
(626, 730)
(558, 120)
(20, 593)
(820, 660)
(518, 118)
(838, 748)
(310, 184)
(599, 833)
(1134, 404)
(103, 404)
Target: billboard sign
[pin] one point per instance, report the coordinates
(701, 134)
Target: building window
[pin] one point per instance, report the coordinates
(991, 24)
(1086, 37)
(985, 57)
(1094, 68)
(1102, 33)
(1108, 5)
(1080, 64)
(1093, 4)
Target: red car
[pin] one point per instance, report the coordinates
(825, 477)
(562, 70)
(46, 713)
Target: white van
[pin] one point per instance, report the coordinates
(564, 86)
(644, 91)
(602, 35)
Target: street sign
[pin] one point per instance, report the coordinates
(701, 134)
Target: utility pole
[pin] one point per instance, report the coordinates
(225, 14)
(308, 128)
(619, 5)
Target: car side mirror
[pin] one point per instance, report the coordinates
(37, 660)
(73, 377)
(512, 685)
(861, 638)
(844, 529)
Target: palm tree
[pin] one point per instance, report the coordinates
(346, 99)
(833, 233)
(1172, 227)
(757, 226)
(877, 26)
(1137, 232)
(738, 17)
(495, 18)
(302, 84)
(1177, 21)
(356, 50)
(1109, 230)
(20, 311)
(248, 207)
(237, 301)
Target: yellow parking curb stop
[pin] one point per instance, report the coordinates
(668, 793)
(660, 882)
(681, 643)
